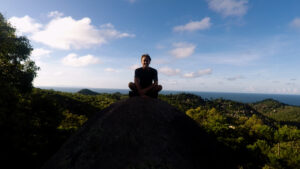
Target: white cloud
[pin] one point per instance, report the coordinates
(24, 24)
(108, 31)
(111, 70)
(73, 60)
(194, 25)
(55, 14)
(295, 23)
(183, 50)
(189, 75)
(38, 52)
(198, 73)
(229, 7)
(66, 33)
(168, 71)
(107, 25)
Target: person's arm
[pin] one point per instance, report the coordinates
(141, 91)
(155, 79)
(138, 87)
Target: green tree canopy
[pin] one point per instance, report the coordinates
(17, 70)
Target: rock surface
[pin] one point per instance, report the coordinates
(139, 133)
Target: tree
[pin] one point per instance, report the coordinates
(17, 70)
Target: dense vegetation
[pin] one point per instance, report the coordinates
(284, 114)
(34, 122)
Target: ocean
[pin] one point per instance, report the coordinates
(239, 97)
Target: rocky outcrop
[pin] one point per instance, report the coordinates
(140, 133)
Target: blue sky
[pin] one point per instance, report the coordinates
(247, 46)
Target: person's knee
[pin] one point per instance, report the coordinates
(131, 85)
(159, 87)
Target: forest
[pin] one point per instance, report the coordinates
(35, 122)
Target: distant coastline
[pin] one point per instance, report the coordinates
(239, 97)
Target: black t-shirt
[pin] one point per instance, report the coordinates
(146, 76)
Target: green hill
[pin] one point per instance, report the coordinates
(278, 111)
(87, 92)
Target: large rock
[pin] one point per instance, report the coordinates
(139, 133)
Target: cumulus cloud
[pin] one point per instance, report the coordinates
(198, 73)
(73, 60)
(194, 25)
(295, 23)
(229, 7)
(24, 24)
(66, 33)
(182, 50)
(109, 32)
(38, 52)
(55, 14)
(169, 71)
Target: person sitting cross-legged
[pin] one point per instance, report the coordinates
(145, 80)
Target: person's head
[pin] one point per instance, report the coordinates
(145, 59)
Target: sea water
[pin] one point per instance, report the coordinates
(239, 97)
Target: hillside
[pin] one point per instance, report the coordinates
(283, 113)
(142, 133)
(87, 92)
(45, 119)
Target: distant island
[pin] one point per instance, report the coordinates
(239, 97)
(87, 92)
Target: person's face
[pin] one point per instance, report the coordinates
(145, 62)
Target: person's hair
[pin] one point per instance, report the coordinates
(146, 55)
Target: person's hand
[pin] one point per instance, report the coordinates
(142, 92)
(144, 96)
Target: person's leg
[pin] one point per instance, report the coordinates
(158, 88)
(132, 86)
